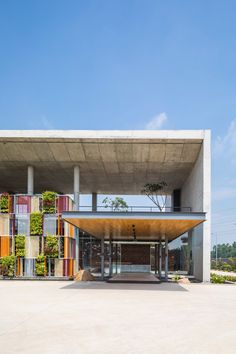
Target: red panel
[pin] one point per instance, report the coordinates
(62, 203)
(23, 204)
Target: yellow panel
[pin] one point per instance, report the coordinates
(4, 224)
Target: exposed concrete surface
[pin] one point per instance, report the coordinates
(95, 317)
(196, 193)
(110, 162)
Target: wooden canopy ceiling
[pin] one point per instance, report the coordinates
(132, 227)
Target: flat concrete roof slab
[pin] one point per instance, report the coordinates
(111, 162)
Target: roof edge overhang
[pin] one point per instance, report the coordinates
(102, 135)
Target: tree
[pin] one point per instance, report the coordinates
(116, 204)
(157, 193)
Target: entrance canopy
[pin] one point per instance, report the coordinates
(134, 226)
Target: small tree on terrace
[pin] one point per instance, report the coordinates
(157, 193)
(116, 204)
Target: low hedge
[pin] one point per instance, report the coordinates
(221, 279)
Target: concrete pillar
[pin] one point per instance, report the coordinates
(76, 187)
(160, 260)
(76, 261)
(155, 258)
(94, 202)
(102, 258)
(166, 258)
(110, 258)
(30, 180)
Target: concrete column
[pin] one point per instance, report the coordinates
(102, 258)
(110, 258)
(166, 258)
(155, 258)
(76, 261)
(30, 180)
(76, 187)
(94, 202)
(160, 259)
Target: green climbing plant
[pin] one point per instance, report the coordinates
(8, 266)
(36, 224)
(51, 246)
(4, 205)
(49, 202)
(40, 266)
(20, 246)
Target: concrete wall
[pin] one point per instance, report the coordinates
(196, 193)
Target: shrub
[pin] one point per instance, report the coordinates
(226, 267)
(176, 277)
(8, 265)
(4, 205)
(230, 278)
(49, 202)
(40, 267)
(51, 246)
(20, 245)
(232, 262)
(36, 223)
(217, 279)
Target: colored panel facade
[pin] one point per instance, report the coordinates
(27, 238)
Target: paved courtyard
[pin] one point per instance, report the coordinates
(66, 317)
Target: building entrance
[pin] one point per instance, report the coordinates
(135, 258)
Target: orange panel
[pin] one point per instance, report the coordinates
(5, 246)
(18, 270)
(71, 268)
(71, 230)
(66, 247)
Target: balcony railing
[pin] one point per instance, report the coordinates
(147, 209)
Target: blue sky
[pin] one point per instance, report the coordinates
(126, 64)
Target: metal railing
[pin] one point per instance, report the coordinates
(147, 209)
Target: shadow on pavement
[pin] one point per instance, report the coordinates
(99, 285)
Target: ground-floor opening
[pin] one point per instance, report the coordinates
(106, 259)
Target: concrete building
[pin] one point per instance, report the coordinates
(176, 239)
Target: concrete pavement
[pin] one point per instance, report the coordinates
(96, 317)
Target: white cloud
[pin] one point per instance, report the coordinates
(226, 145)
(46, 124)
(157, 122)
(41, 123)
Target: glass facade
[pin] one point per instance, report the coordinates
(180, 255)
